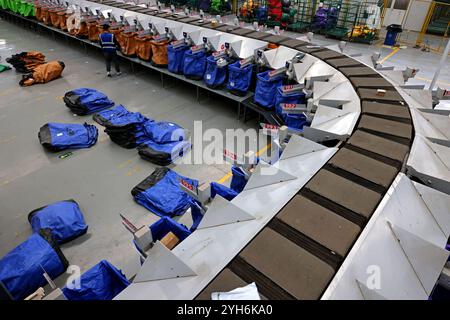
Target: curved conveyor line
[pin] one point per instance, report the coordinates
(298, 250)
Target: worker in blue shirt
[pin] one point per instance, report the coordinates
(109, 46)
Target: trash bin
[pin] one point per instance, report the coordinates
(392, 31)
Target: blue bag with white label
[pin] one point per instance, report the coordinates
(215, 75)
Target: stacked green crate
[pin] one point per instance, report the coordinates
(21, 7)
(302, 19)
(347, 12)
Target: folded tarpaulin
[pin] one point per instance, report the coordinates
(22, 269)
(161, 193)
(123, 127)
(163, 154)
(266, 89)
(101, 282)
(63, 218)
(84, 101)
(165, 225)
(43, 73)
(61, 136)
(164, 131)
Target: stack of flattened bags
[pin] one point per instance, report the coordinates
(123, 127)
(25, 62)
(85, 101)
(166, 143)
(61, 136)
(158, 142)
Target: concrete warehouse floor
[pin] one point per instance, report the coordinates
(100, 178)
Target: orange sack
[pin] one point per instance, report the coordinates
(46, 16)
(38, 12)
(83, 32)
(63, 20)
(143, 47)
(129, 43)
(43, 73)
(94, 31)
(159, 53)
(54, 18)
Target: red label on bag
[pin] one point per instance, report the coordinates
(270, 126)
(289, 105)
(187, 185)
(289, 87)
(229, 154)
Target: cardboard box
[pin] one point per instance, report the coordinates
(170, 240)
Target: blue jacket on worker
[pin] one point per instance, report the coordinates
(108, 42)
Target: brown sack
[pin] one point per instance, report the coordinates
(63, 20)
(129, 43)
(54, 18)
(46, 16)
(143, 47)
(117, 32)
(38, 12)
(94, 31)
(159, 53)
(43, 73)
(83, 32)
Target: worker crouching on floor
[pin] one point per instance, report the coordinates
(109, 46)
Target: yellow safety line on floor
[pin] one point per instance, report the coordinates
(429, 80)
(394, 51)
(229, 174)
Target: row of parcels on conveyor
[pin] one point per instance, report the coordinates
(332, 214)
(277, 74)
